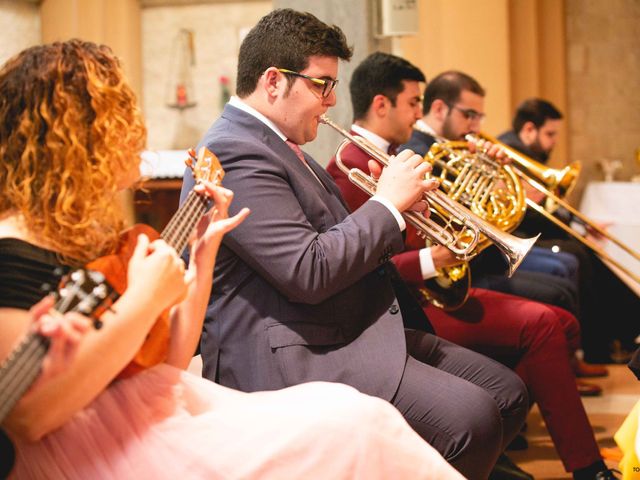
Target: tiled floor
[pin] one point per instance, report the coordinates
(621, 392)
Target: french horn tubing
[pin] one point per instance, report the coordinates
(485, 186)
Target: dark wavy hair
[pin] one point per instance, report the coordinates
(380, 73)
(536, 111)
(285, 38)
(70, 131)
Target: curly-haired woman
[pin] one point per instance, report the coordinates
(70, 138)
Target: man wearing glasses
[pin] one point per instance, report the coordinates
(304, 290)
(453, 106)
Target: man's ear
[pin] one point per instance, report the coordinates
(439, 109)
(528, 133)
(380, 105)
(273, 81)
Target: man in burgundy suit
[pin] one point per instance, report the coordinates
(534, 338)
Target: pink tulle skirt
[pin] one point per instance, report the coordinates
(165, 423)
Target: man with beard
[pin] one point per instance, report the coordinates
(453, 106)
(536, 125)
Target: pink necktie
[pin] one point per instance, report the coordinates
(297, 150)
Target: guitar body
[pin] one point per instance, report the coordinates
(115, 267)
(155, 348)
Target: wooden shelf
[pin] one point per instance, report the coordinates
(156, 201)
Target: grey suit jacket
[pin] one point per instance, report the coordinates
(301, 289)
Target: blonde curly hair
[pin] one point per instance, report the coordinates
(70, 132)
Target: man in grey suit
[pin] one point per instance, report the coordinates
(304, 290)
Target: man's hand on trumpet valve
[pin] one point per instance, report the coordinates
(404, 181)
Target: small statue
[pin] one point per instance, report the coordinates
(609, 168)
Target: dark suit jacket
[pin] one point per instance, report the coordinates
(301, 288)
(419, 142)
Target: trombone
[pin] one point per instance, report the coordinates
(462, 229)
(558, 184)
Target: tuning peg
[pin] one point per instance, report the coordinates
(58, 272)
(189, 162)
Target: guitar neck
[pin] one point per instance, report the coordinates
(20, 370)
(177, 232)
(82, 291)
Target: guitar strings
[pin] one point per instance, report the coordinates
(25, 368)
(179, 229)
(171, 230)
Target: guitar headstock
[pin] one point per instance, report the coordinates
(87, 292)
(205, 166)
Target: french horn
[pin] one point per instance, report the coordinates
(450, 224)
(489, 189)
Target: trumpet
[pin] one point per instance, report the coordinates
(459, 229)
(554, 184)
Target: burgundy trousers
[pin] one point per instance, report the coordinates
(538, 341)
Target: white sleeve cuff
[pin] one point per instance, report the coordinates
(394, 211)
(427, 267)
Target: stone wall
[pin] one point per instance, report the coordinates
(19, 27)
(603, 46)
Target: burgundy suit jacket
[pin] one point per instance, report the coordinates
(407, 262)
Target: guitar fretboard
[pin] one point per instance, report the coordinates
(83, 292)
(20, 370)
(177, 232)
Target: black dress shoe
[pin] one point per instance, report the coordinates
(518, 443)
(609, 474)
(505, 469)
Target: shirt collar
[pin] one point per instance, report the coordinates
(377, 140)
(234, 101)
(425, 128)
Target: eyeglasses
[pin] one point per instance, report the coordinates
(469, 113)
(327, 84)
